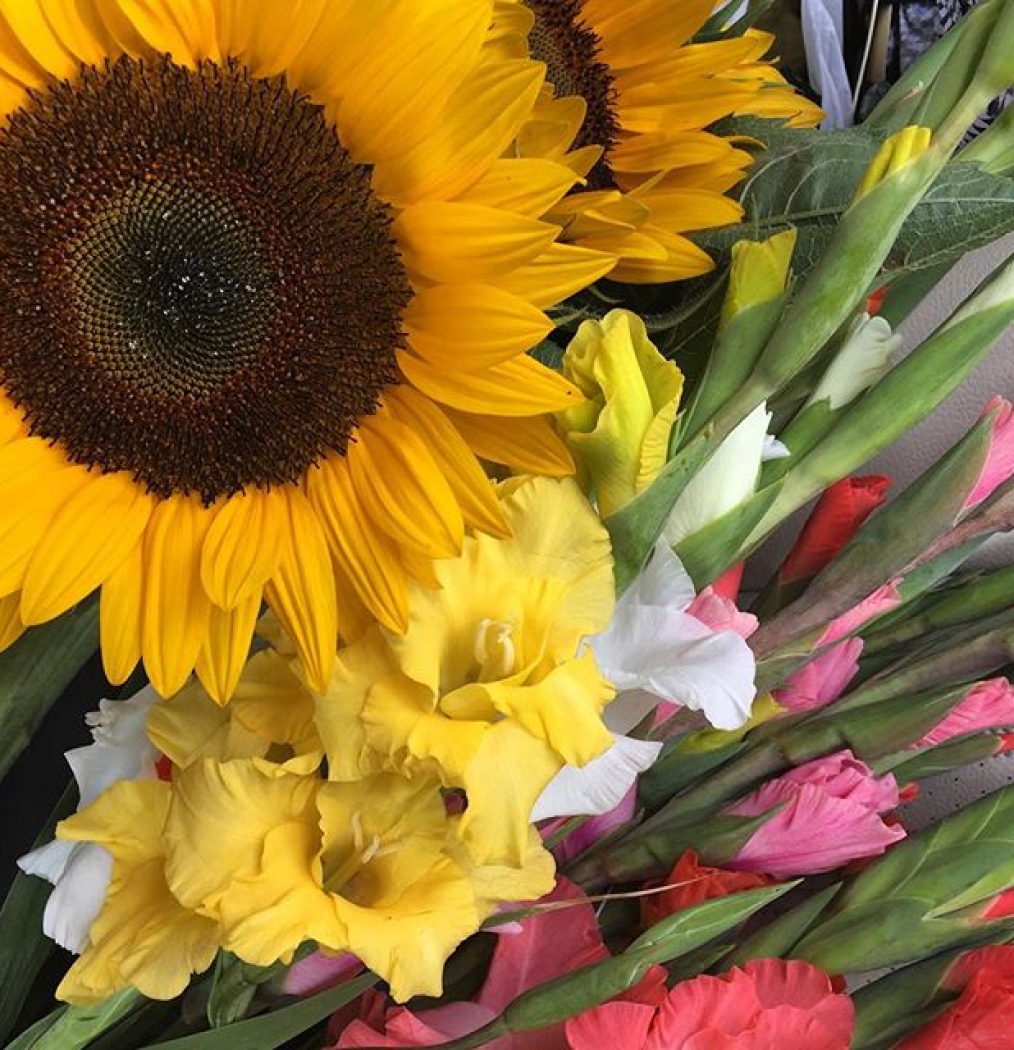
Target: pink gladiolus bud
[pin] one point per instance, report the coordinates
(727, 585)
(822, 680)
(983, 1015)
(999, 465)
(830, 814)
(988, 705)
(720, 613)
(882, 600)
(768, 1003)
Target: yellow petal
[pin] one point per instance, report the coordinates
(527, 185)
(472, 326)
(221, 659)
(472, 489)
(11, 626)
(461, 243)
(175, 607)
(519, 387)
(169, 28)
(87, 540)
(392, 95)
(120, 612)
(363, 555)
(79, 28)
(530, 445)
(476, 126)
(557, 274)
(302, 591)
(408, 495)
(270, 36)
(242, 548)
(31, 27)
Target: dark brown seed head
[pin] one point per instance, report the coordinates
(571, 51)
(197, 283)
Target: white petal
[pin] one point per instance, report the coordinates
(49, 862)
(663, 581)
(599, 786)
(869, 349)
(78, 897)
(725, 481)
(677, 658)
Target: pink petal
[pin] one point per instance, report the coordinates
(616, 1025)
(823, 679)
(721, 614)
(988, 705)
(319, 971)
(999, 465)
(595, 827)
(882, 600)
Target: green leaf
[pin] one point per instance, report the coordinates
(275, 1028)
(74, 1027)
(36, 670)
(777, 938)
(24, 948)
(676, 770)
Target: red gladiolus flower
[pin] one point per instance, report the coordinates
(839, 512)
(769, 1004)
(691, 883)
(983, 1015)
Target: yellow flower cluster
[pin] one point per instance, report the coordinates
(336, 817)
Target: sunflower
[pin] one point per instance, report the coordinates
(267, 280)
(627, 104)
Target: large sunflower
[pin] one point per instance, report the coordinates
(627, 104)
(266, 284)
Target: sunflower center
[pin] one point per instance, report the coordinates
(563, 40)
(197, 284)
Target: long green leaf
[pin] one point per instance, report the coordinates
(24, 948)
(36, 670)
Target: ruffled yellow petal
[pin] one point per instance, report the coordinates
(472, 326)
(143, 936)
(302, 591)
(120, 615)
(362, 555)
(398, 480)
(529, 445)
(85, 542)
(175, 608)
(243, 546)
(472, 489)
(220, 662)
(462, 243)
(519, 387)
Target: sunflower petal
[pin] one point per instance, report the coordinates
(175, 607)
(390, 98)
(529, 186)
(302, 590)
(270, 35)
(472, 326)
(225, 650)
(529, 445)
(87, 539)
(163, 27)
(463, 243)
(80, 29)
(519, 387)
(472, 489)
(120, 612)
(557, 273)
(362, 555)
(411, 500)
(243, 546)
(475, 128)
(11, 625)
(30, 25)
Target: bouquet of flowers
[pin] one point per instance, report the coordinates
(399, 395)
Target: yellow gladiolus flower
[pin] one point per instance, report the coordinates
(143, 936)
(620, 435)
(487, 688)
